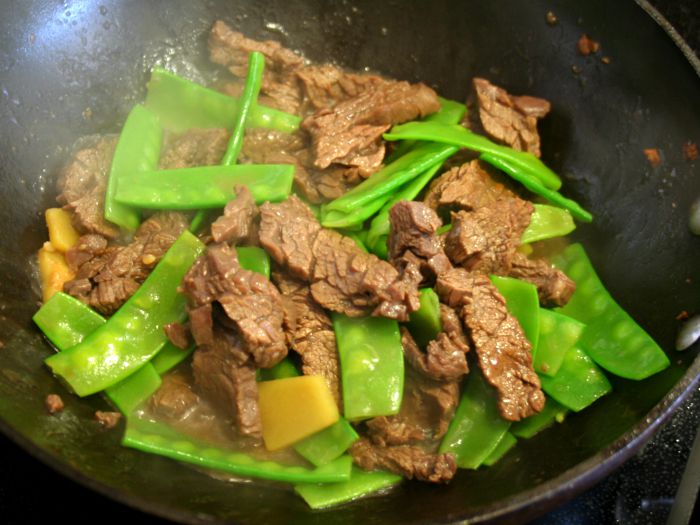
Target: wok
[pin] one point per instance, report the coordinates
(70, 69)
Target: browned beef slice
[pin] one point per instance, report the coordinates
(106, 276)
(503, 351)
(485, 240)
(224, 375)
(325, 85)
(406, 460)
(237, 224)
(350, 132)
(174, 399)
(195, 147)
(466, 187)
(82, 186)
(512, 120)
(554, 287)
(202, 324)
(177, 334)
(343, 277)
(249, 300)
(312, 335)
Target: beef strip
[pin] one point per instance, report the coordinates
(194, 147)
(485, 240)
(82, 185)
(343, 278)
(326, 85)
(225, 375)
(107, 275)
(503, 351)
(554, 287)
(250, 301)
(512, 120)
(174, 399)
(406, 460)
(237, 224)
(312, 335)
(178, 335)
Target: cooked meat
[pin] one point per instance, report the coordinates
(249, 299)
(106, 276)
(237, 224)
(326, 85)
(343, 277)
(225, 375)
(108, 419)
(174, 399)
(177, 334)
(512, 120)
(350, 132)
(554, 287)
(202, 324)
(194, 147)
(466, 187)
(53, 403)
(82, 185)
(485, 240)
(312, 335)
(406, 460)
(503, 351)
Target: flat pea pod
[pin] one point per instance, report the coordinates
(137, 151)
(328, 444)
(578, 383)
(523, 303)
(134, 334)
(133, 390)
(66, 321)
(477, 426)
(547, 222)
(155, 438)
(528, 427)
(612, 338)
(558, 333)
(361, 483)
(206, 186)
(460, 136)
(504, 446)
(283, 369)
(254, 259)
(425, 323)
(371, 365)
(182, 104)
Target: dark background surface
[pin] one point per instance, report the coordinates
(642, 491)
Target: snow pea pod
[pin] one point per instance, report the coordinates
(558, 333)
(522, 302)
(134, 334)
(462, 137)
(361, 483)
(612, 338)
(137, 151)
(182, 104)
(328, 444)
(281, 370)
(425, 323)
(528, 427)
(371, 365)
(254, 259)
(504, 445)
(206, 186)
(578, 383)
(547, 222)
(155, 438)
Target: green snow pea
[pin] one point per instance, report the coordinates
(137, 151)
(328, 444)
(504, 445)
(361, 483)
(612, 338)
(462, 137)
(547, 222)
(254, 259)
(66, 321)
(182, 104)
(528, 427)
(134, 334)
(205, 186)
(371, 365)
(578, 383)
(425, 323)
(133, 390)
(155, 438)
(477, 426)
(522, 302)
(558, 333)
(283, 369)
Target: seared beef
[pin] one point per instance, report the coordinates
(503, 351)
(108, 419)
(312, 335)
(177, 334)
(249, 300)
(485, 240)
(326, 85)
(106, 276)
(350, 132)
(82, 186)
(343, 277)
(174, 399)
(225, 375)
(554, 287)
(194, 147)
(202, 324)
(512, 120)
(237, 224)
(53, 403)
(405, 460)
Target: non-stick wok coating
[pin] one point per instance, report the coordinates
(70, 70)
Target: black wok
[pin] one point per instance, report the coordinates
(69, 69)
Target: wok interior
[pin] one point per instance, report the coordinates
(78, 70)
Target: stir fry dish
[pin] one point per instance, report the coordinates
(329, 279)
